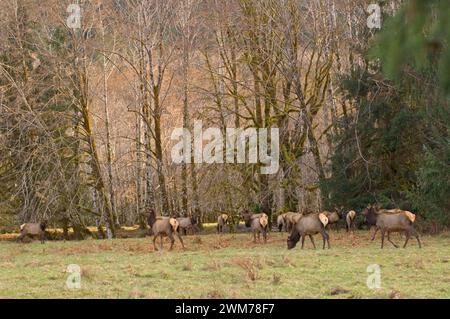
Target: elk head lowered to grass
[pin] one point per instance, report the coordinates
(258, 223)
(391, 221)
(163, 226)
(309, 225)
(33, 229)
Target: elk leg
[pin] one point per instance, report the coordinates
(326, 238)
(303, 240)
(42, 238)
(408, 234)
(389, 239)
(382, 238)
(254, 236)
(349, 225)
(20, 237)
(418, 239)
(181, 241)
(416, 234)
(265, 237)
(323, 240)
(161, 241)
(312, 240)
(172, 240)
(154, 243)
(376, 230)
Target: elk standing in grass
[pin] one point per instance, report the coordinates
(222, 221)
(349, 220)
(281, 222)
(163, 226)
(33, 229)
(392, 221)
(334, 217)
(188, 224)
(309, 225)
(259, 224)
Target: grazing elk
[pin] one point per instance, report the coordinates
(258, 223)
(163, 226)
(222, 221)
(309, 225)
(392, 221)
(33, 229)
(188, 224)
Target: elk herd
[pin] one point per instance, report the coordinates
(298, 225)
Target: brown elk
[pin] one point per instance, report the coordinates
(258, 223)
(392, 221)
(222, 221)
(349, 220)
(309, 225)
(334, 217)
(281, 222)
(163, 226)
(188, 224)
(33, 229)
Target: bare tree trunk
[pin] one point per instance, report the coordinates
(186, 123)
(139, 215)
(109, 152)
(84, 105)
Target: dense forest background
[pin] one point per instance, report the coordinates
(87, 107)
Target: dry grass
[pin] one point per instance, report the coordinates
(226, 266)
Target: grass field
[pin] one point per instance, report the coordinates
(227, 266)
